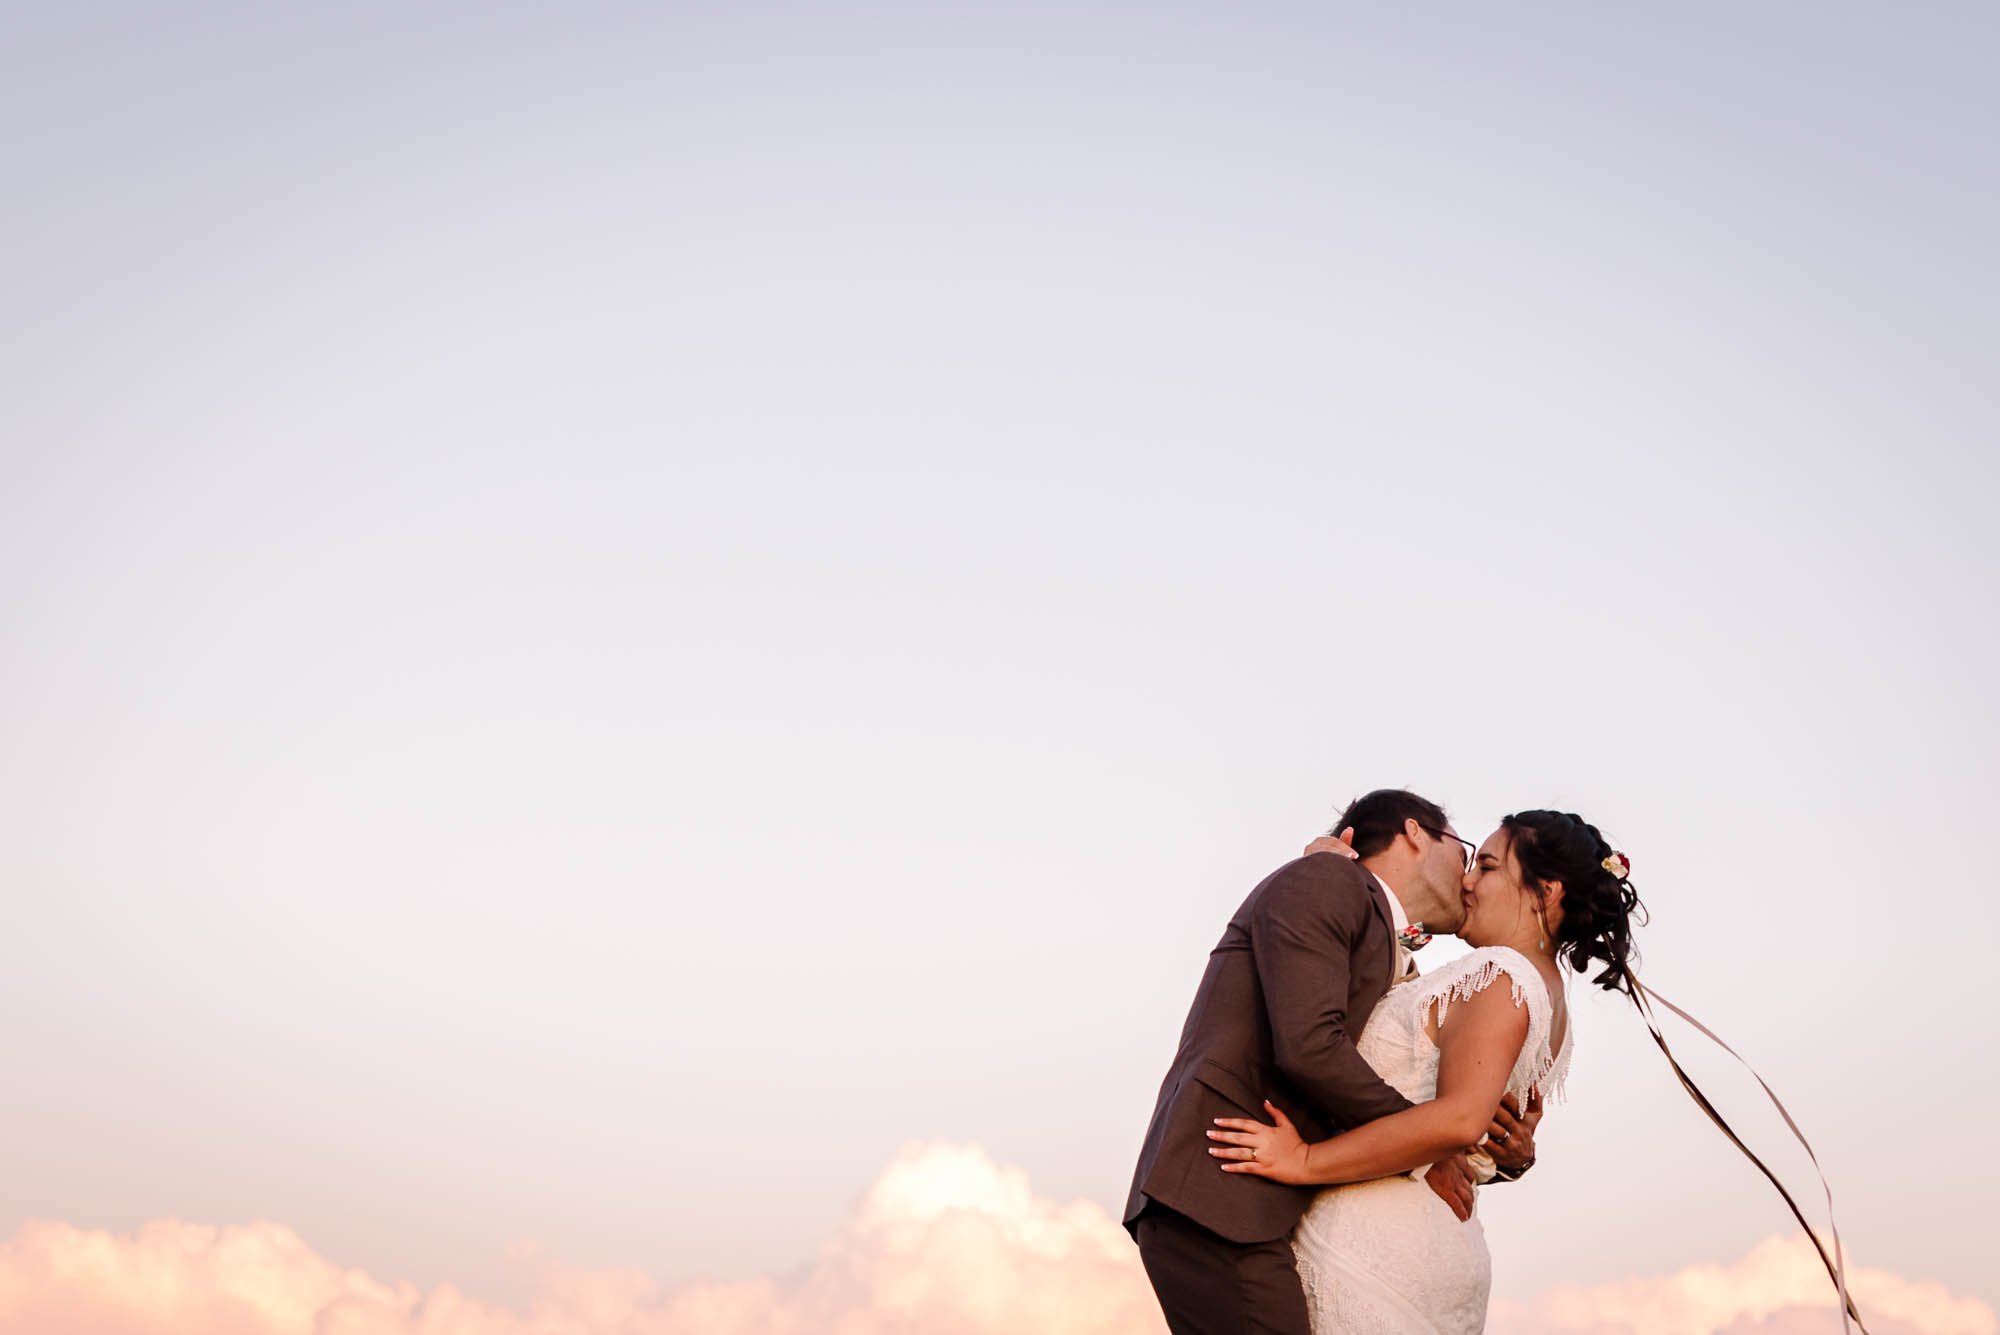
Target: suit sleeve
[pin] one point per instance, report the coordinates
(1302, 931)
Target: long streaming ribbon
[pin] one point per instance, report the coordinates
(1836, 1265)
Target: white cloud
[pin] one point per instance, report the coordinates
(1778, 1289)
(945, 1243)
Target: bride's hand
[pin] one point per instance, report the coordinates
(1326, 843)
(1275, 1152)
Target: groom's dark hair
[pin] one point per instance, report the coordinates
(1378, 817)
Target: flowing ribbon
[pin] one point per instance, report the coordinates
(1836, 1265)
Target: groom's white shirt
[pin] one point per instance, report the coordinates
(1406, 960)
(1397, 916)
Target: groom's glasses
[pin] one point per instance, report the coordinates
(1470, 855)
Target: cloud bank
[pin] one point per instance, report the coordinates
(1778, 1289)
(945, 1243)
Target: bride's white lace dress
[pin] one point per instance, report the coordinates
(1388, 1257)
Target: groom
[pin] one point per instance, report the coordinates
(1287, 991)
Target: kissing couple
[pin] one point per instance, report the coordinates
(1315, 1155)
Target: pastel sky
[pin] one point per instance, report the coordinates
(638, 638)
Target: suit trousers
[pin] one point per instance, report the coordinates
(1208, 1285)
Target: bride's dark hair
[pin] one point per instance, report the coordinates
(1598, 904)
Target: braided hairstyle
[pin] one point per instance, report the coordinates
(1598, 903)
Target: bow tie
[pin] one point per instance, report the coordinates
(1413, 937)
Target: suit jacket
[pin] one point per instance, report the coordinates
(1287, 990)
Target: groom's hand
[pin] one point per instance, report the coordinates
(1510, 1141)
(1452, 1180)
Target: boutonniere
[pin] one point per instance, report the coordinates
(1413, 937)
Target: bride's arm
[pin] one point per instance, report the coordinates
(1477, 1049)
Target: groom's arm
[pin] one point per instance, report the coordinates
(1303, 929)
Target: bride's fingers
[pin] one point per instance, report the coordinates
(1278, 1113)
(1232, 1152)
(1233, 1137)
(1241, 1124)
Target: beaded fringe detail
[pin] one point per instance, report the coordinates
(1547, 1071)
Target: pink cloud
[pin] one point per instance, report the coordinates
(945, 1243)
(1778, 1289)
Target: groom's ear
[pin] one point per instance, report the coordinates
(1346, 836)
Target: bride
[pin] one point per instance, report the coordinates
(1378, 1252)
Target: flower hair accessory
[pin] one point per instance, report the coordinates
(1618, 865)
(1413, 937)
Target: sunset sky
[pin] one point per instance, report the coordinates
(644, 645)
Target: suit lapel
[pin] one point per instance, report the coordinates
(1380, 899)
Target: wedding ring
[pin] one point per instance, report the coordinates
(1500, 1137)
(1253, 1153)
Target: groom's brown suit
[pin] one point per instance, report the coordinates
(1288, 989)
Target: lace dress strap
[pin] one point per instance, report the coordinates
(1538, 1067)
